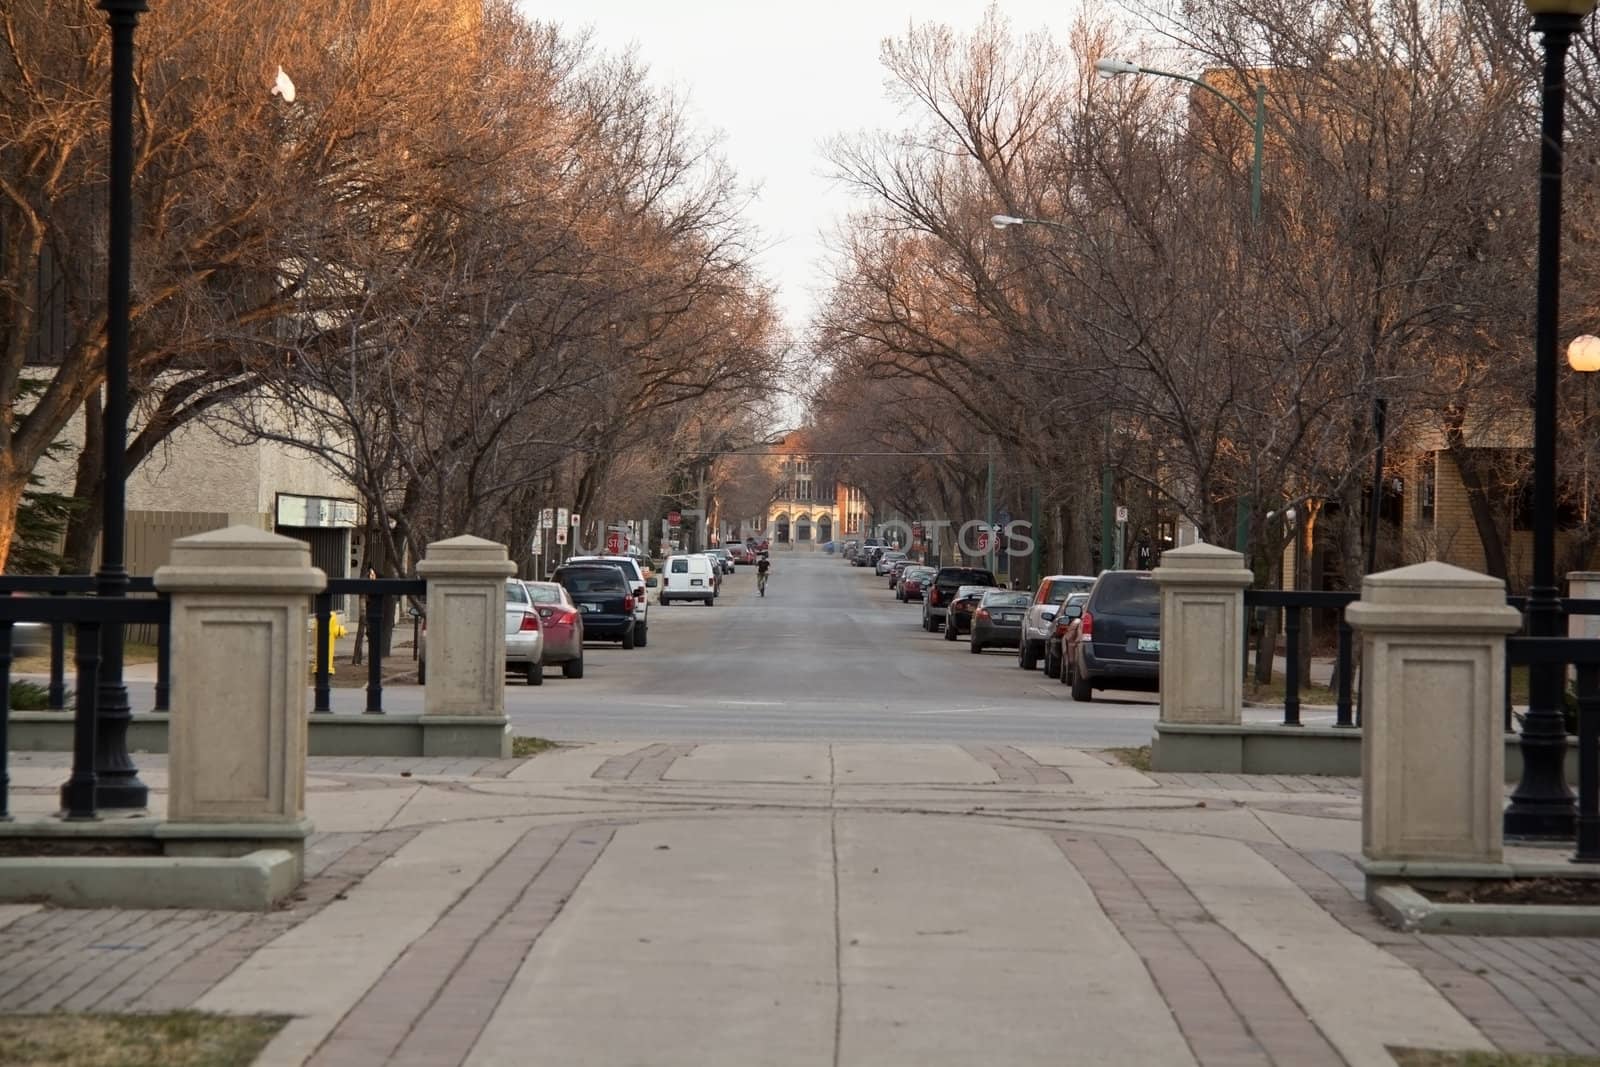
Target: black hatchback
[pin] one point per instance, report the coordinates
(604, 600)
(1116, 643)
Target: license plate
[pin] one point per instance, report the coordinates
(696, 581)
(590, 607)
(1011, 618)
(1149, 644)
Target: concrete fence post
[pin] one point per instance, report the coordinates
(1202, 634)
(1433, 684)
(1583, 585)
(240, 598)
(466, 629)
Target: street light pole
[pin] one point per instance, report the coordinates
(1542, 806)
(117, 779)
(1110, 68)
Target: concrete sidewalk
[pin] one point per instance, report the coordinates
(872, 904)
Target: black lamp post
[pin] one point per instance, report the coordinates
(1542, 805)
(117, 779)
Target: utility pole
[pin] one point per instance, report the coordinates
(1033, 538)
(700, 492)
(990, 520)
(1107, 518)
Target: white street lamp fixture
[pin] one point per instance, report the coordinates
(1583, 354)
(1000, 222)
(1110, 68)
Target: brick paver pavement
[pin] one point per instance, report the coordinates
(435, 997)
(1012, 765)
(1230, 1005)
(137, 960)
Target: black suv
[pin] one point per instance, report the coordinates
(604, 599)
(942, 590)
(1118, 638)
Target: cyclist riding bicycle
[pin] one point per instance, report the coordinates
(763, 565)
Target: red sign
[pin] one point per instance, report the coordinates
(674, 517)
(613, 543)
(983, 540)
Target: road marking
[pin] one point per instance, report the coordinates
(754, 703)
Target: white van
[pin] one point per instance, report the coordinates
(688, 578)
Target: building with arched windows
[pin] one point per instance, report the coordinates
(809, 508)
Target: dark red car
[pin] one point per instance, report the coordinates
(1056, 643)
(913, 583)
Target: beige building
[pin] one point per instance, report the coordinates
(808, 508)
(200, 480)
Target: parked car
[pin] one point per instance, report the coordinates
(849, 550)
(913, 580)
(1070, 610)
(723, 557)
(716, 571)
(1116, 643)
(1040, 623)
(958, 619)
(898, 568)
(867, 554)
(638, 583)
(524, 637)
(886, 560)
(740, 554)
(604, 599)
(942, 590)
(688, 578)
(563, 627)
(997, 620)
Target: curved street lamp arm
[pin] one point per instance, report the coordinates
(1258, 124)
(1212, 89)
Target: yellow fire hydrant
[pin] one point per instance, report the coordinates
(336, 630)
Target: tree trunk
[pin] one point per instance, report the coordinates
(1268, 646)
(1303, 580)
(1489, 535)
(83, 531)
(13, 484)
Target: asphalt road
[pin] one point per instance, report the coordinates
(827, 655)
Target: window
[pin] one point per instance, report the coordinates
(680, 566)
(1430, 471)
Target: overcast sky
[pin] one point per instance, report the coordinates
(778, 80)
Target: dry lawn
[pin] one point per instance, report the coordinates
(180, 1039)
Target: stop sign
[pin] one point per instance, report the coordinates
(674, 517)
(613, 542)
(983, 540)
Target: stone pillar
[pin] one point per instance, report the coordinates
(466, 627)
(237, 733)
(1432, 692)
(1202, 634)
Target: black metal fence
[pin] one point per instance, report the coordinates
(86, 615)
(57, 586)
(1293, 603)
(380, 595)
